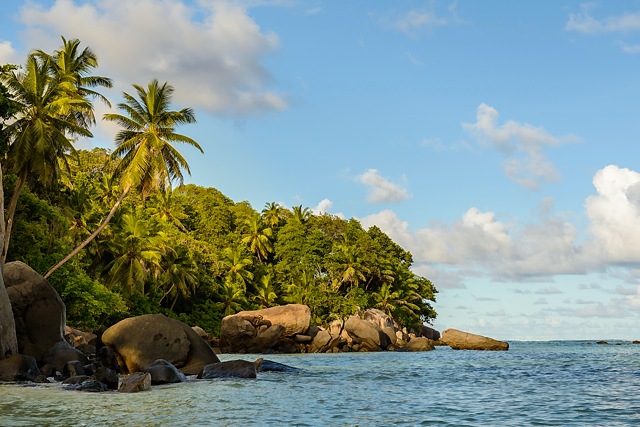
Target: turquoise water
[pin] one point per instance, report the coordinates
(533, 384)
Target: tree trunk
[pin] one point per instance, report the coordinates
(92, 236)
(8, 340)
(13, 204)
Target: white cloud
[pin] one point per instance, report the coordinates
(521, 144)
(380, 189)
(8, 54)
(324, 207)
(584, 22)
(211, 51)
(479, 244)
(614, 215)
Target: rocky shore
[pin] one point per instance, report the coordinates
(142, 351)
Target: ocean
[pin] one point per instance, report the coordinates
(558, 383)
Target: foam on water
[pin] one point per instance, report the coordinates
(534, 383)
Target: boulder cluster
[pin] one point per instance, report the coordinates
(142, 351)
(288, 329)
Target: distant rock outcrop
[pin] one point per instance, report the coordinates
(460, 340)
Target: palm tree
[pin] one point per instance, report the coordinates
(258, 238)
(139, 251)
(301, 214)
(38, 142)
(265, 294)
(75, 66)
(166, 208)
(178, 273)
(145, 144)
(236, 266)
(272, 214)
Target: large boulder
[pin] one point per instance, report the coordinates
(363, 330)
(460, 340)
(139, 341)
(38, 311)
(8, 340)
(260, 330)
(294, 317)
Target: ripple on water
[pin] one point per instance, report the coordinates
(550, 384)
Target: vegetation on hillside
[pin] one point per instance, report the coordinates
(183, 250)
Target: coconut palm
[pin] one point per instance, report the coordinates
(139, 252)
(149, 161)
(258, 237)
(178, 277)
(235, 265)
(71, 64)
(301, 214)
(272, 214)
(38, 142)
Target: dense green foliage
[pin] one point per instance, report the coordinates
(189, 252)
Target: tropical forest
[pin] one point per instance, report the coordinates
(118, 233)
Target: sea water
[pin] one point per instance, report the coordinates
(565, 383)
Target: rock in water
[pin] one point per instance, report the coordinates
(460, 340)
(270, 366)
(141, 340)
(163, 372)
(139, 381)
(231, 369)
(419, 344)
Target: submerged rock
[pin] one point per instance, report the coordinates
(231, 369)
(271, 366)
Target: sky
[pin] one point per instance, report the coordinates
(497, 141)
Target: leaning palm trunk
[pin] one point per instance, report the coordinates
(13, 203)
(92, 236)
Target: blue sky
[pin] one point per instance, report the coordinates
(495, 140)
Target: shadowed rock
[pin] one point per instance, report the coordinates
(231, 369)
(271, 366)
(163, 372)
(38, 311)
(20, 367)
(141, 340)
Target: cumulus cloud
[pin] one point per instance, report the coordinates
(614, 215)
(8, 54)
(211, 51)
(380, 189)
(479, 244)
(584, 22)
(324, 207)
(521, 144)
